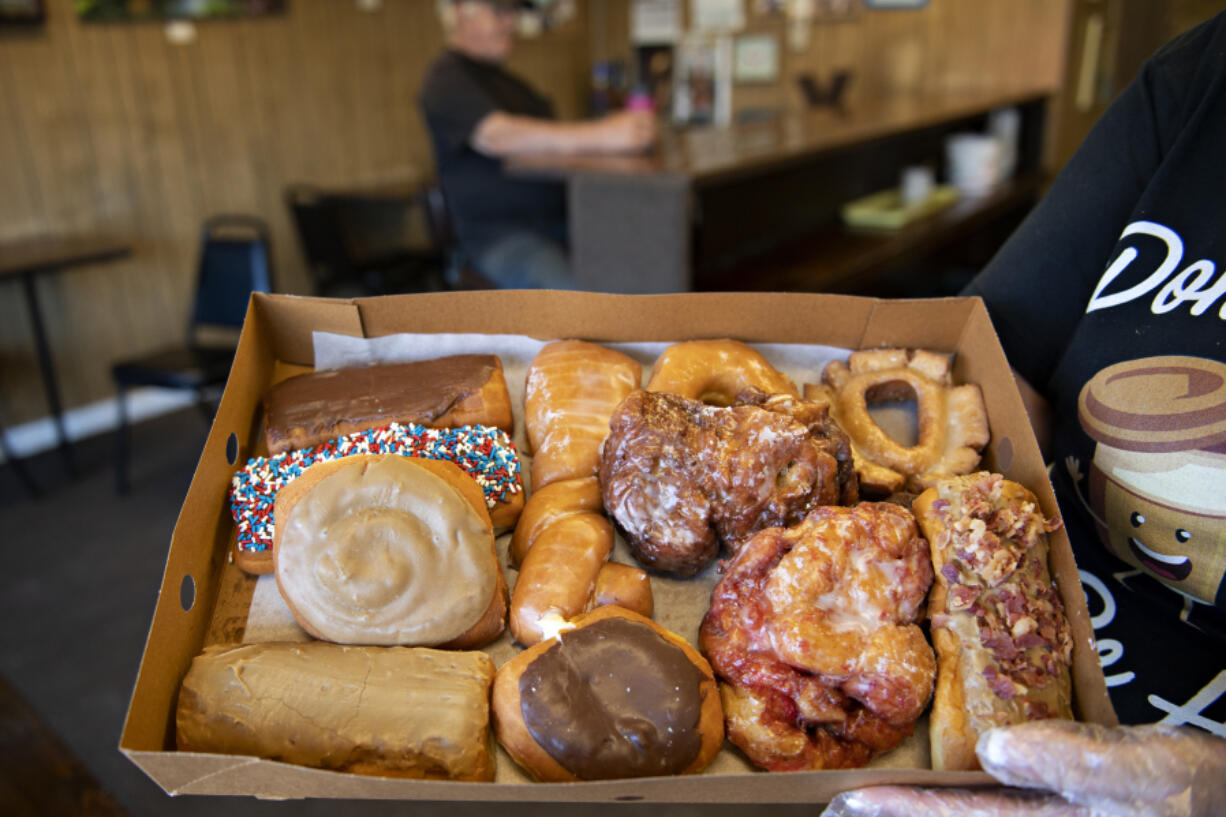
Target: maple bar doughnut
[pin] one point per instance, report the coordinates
(1001, 636)
(617, 696)
(952, 420)
(570, 392)
(386, 711)
(384, 549)
(446, 392)
(485, 454)
(716, 371)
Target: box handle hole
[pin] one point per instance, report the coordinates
(232, 448)
(187, 593)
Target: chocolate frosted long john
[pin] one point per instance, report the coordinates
(445, 392)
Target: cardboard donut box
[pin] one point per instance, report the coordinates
(204, 598)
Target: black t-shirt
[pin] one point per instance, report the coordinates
(1111, 300)
(485, 204)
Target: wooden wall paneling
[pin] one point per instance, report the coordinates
(21, 211)
(109, 128)
(225, 161)
(21, 205)
(94, 296)
(66, 174)
(168, 158)
(270, 57)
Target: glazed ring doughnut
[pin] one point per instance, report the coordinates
(952, 420)
(716, 371)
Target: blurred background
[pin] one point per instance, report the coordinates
(827, 145)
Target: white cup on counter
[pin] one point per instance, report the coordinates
(916, 184)
(973, 161)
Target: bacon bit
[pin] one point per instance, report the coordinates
(1028, 640)
(1003, 687)
(1023, 627)
(1001, 645)
(961, 597)
(1037, 710)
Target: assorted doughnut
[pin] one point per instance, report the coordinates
(486, 454)
(614, 696)
(952, 421)
(382, 549)
(379, 506)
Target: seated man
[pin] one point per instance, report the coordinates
(512, 231)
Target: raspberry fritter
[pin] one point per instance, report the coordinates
(812, 629)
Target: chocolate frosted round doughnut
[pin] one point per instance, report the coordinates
(616, 696)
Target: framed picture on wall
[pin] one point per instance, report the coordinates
(22, 12)
(131, 10)
(755, 58)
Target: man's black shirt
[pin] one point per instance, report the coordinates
(485, 204)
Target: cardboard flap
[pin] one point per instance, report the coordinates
(210, 774)
(291, 320)
(838, 320)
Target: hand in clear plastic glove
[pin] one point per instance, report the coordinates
(1078, 770)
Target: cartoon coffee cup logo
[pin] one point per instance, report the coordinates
(1158, 481)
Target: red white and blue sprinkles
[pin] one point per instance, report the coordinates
(485, 453)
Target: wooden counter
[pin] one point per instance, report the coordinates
(706, 201)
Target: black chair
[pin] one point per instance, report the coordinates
(459, 272)
(234, 262)
(343, 263)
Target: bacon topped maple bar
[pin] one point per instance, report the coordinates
(1001, 636)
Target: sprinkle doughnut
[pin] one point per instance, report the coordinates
(485, 453)
(716, 371)
(952, 420)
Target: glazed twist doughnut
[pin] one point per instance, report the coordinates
(548, 505)
(952, 420)
(564, 543)
(570, 392)
(716, 371)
